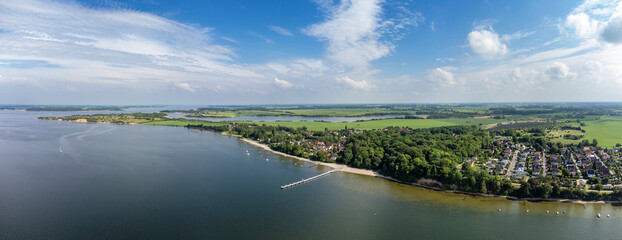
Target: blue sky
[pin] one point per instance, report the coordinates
(309, 51)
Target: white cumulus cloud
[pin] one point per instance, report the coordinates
(184, 86)
(362, 85)
(282, 83)
(582, 24)
(613, 31)
(356, 33)
(441, 77)
(351, 33)
(597, 18)
(486, 43)
(559, 71)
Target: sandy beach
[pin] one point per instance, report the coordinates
(341, 167)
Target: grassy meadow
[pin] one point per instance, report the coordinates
(338, 112)
(607, 130)
(318, 126)
(598, 125)
(558, 136)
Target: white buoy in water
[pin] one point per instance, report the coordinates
(598, 215)
(556, 213)
(547, 211)
(527, 211)
(608, 216)
(564, 212)
(499, 209)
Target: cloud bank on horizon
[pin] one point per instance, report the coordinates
(349, 51)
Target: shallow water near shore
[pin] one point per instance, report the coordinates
(63, 180)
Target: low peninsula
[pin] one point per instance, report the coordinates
(535, 157)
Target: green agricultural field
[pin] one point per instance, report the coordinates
(558, 136)
(253, 113)
(473, 121)
(318, 126)
(367, 125)
(607, 130)
(311, 112)
(213, 113)
(240, 113)
(338, 112)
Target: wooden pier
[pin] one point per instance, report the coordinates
(308, 179)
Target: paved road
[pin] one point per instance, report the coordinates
(576, 167)
(543, 164)
(512, 163)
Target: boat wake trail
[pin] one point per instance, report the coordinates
(92, 131)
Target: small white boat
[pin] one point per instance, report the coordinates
(60, 149)
(556, 213)
(499, 209)
(598, 215)
(608, 216)
(547, 211)
(248, 154)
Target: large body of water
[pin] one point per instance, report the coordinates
(153, 182)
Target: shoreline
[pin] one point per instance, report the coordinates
(341, 167)
(365, 172)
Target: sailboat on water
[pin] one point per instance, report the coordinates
(60, 149)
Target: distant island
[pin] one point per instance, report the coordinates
(68, 108)
(121, 118)
(60, 108)
(537, 152)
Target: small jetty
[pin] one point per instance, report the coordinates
(308, 179)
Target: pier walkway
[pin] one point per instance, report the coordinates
(309, 179)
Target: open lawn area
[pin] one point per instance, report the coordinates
(558, 136)
(607, 130)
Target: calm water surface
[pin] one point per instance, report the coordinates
(151, 182)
